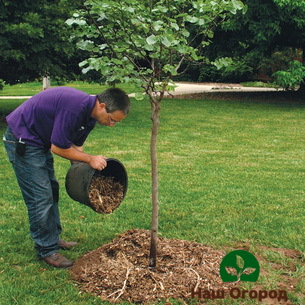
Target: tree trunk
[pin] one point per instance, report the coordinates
(46, 84)
(301, 89)
(155, 103)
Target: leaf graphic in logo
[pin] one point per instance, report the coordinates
(240, 262)
(231, 270)
(239, 265)
(249, 270)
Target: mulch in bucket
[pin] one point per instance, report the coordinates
(105, 194)
(103, 191)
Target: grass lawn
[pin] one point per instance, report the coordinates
(232, 173)
(29, 89)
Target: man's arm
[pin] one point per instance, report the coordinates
(79, 148)
(76, 153)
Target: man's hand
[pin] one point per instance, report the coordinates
(98, 162)
(76, 154)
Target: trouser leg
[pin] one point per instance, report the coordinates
(35, 175)
(55, 191)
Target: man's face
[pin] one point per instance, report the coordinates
(107, 118)
(115, 117)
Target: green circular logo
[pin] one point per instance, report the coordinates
(239, 265)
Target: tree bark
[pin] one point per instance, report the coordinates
(155, 103)
(46, 83)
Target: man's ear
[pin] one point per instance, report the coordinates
(102, 105)
(97, 109)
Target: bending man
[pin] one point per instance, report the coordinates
(57, 120)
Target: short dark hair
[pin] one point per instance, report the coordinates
(115, 99)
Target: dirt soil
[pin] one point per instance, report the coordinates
(119, 271)
(105, 194)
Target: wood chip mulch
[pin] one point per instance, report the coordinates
(119, 271)
(105, 194)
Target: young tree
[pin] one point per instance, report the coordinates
(146, 43)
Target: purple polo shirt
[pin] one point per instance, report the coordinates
(59, 116)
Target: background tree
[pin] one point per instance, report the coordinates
(147, 43)
(34, 40)
(269, 35)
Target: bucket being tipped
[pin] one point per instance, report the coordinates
(103, 191)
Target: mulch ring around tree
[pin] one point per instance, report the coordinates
(119, 271)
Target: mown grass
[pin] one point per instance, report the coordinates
(231, 173)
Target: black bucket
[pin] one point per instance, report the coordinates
(80, 175)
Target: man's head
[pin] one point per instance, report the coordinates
(115, 99)
(112, 106)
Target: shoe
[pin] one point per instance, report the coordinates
(58, 261)
(66, 245)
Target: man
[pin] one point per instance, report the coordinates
(58, 121)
